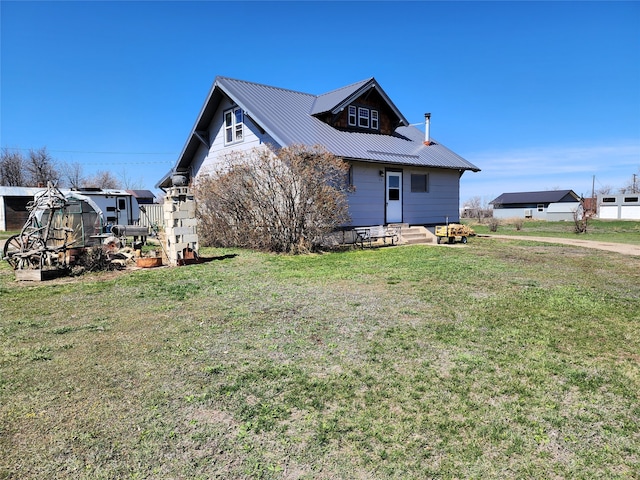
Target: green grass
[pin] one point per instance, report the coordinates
(494, 360)
(618, 231)
(4, 234)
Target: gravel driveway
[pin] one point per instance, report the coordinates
(623, 248)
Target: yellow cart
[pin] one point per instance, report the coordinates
(453, 232)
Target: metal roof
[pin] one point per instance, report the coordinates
(328, 101)
(288, 117)
(20, 191)
(548, 196)
(141, 193)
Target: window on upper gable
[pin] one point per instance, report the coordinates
(233, 126)
(374, 120)
(352, 116)
(363, 117)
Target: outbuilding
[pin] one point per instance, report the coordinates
(543, 205)
(619, 207)
(117, 206)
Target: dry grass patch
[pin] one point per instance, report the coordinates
(489, 361)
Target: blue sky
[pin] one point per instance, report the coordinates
(539, 95)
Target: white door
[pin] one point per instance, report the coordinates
(394, 197)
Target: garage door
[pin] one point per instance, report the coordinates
(15, 212)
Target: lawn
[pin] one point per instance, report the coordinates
(619, 231)
(4, 234)
(492, 360)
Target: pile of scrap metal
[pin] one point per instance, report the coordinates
(58, 233)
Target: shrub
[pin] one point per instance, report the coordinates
(493, 223)
(518, 223)
(279, 201)
(580, 220)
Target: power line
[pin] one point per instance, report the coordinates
(129, 163)
(98, 153)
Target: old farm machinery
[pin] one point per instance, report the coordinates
(57, 228)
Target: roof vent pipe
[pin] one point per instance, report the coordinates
(427, 125)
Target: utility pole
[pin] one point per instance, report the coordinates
(635, 190)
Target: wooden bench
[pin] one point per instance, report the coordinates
(378, 232)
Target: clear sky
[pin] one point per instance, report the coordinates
(539, 95)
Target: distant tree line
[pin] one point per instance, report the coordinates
(38, 167)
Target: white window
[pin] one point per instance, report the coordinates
(374, 120)
(352, 115)
(363, 117)
(233, 126)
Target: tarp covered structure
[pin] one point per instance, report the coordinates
(77, 223)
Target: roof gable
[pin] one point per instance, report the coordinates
(330, 101)
(291, 117)
(337, 100)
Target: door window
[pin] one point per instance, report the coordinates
(394, 188)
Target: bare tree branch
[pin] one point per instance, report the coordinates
(12, 169)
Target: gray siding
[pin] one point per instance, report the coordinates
(206, 159)
(553, 212)
(439, 203)
(367, 203)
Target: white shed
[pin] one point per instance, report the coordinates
(619, 207)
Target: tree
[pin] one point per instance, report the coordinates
(604, 190)
(128, 183)
(72, 174)
(474, 207)
(103, 179)
(581, 218)
(280, 201)
(41, 168)
(12, 168)
(633, 186)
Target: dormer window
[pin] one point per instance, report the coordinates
(352, 116)
(233, 126)
(363, 117)
(374, 120)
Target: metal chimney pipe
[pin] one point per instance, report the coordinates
(427, 125)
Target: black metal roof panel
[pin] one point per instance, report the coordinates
(548, 196)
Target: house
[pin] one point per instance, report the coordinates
(619, 207)
(116, 206)
(545, 205)
(399, 174)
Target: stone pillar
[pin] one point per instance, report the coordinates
(180, 225)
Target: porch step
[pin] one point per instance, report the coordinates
(415, 235)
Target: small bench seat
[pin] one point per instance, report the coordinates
(378, 232)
